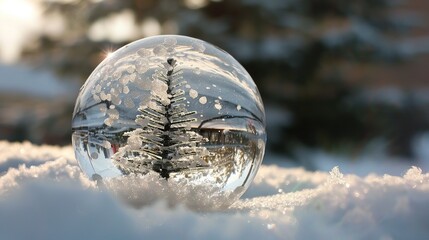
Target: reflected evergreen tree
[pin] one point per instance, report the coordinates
(164, 143)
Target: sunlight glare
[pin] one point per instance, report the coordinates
(109, 54)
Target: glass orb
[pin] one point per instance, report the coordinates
(173, 107)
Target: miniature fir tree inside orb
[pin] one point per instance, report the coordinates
(171, 108)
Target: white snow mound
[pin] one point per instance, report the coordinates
(44, 195)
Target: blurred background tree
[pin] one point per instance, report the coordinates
(319, 64)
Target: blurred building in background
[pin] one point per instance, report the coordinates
(334, 75)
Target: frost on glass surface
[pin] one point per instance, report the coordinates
(172, 108)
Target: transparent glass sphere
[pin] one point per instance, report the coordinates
(173, 108)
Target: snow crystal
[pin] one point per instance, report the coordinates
(203, 100)
(199, 47)
(130, 69)
(159, 87)
(117, 74)
(43, 190)
(98, 88)
(141, 69)
(96, 98)
(114, 91)
(113, 113)
(116, 100)
(218, 106)
(170, 41)
(336, 176)
(160, 50)
(144, 100)
(104, 96)
(261, 143)
(153, 105)
(193, 93)
(197, 71)
(108, 121)
(171, 49)
(126, 90)
(124, 80)
(143, 52)
(103, 108)
(106, 144)
(132, 77)
(134, 142)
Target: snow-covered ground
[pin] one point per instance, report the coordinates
(44, 195)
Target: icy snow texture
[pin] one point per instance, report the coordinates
(44, 195)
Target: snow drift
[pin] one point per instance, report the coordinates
(44, 195)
